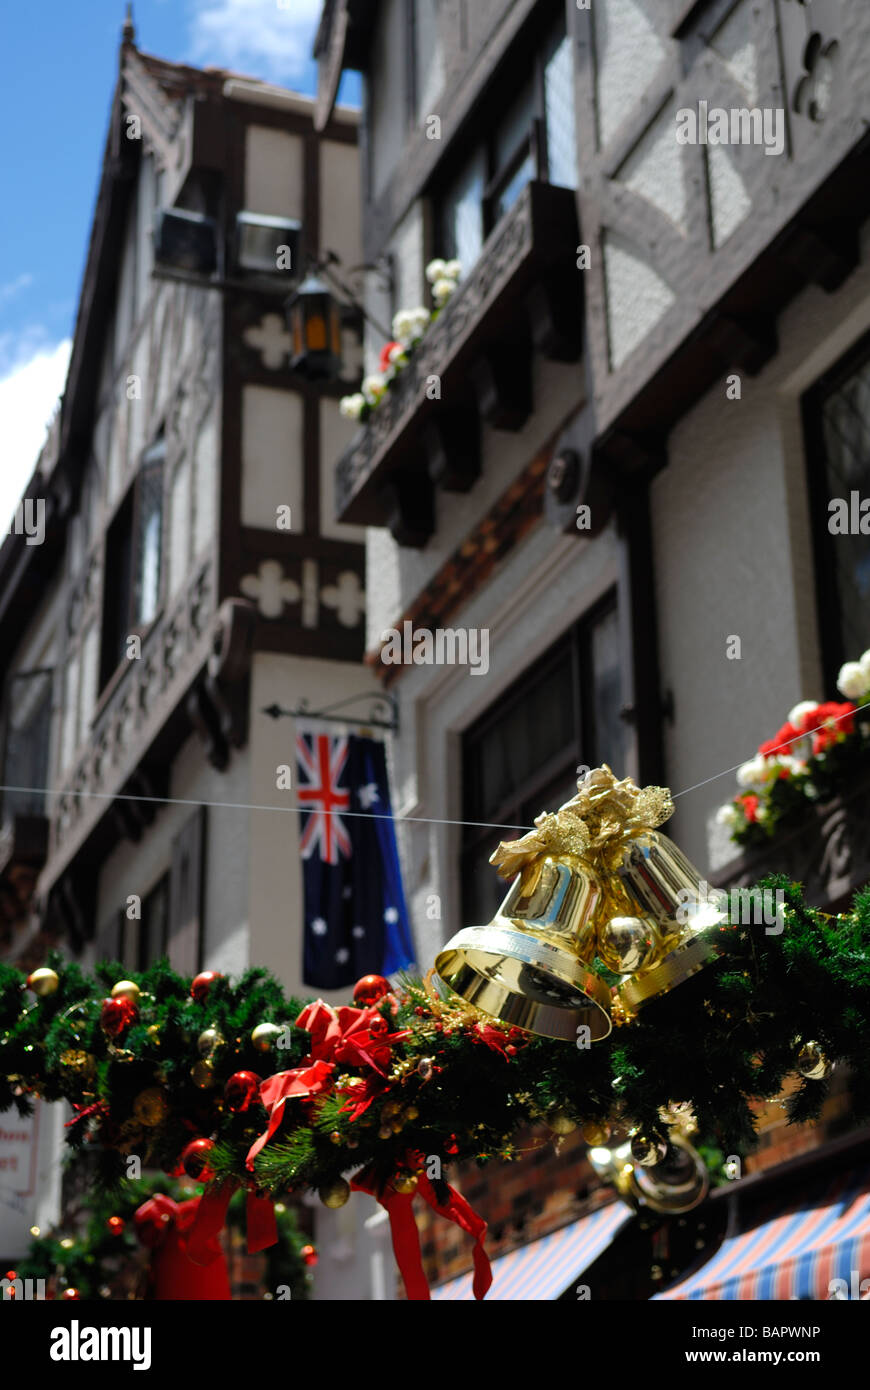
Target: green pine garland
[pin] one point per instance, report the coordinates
(717, 1041)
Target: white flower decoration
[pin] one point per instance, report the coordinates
(373, 387)
(804, 707)
(442, 290)
(727, 815)
(435, 270)
(854, 679)
(351, 407)
(753, 773)
(453, 270)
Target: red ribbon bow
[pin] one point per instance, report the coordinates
(211, 1217)
(350, 1036)
(406, 1237)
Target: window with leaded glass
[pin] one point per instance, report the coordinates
(522, 756)
(527, 132)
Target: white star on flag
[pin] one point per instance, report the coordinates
(318, 926)
(359, 932)
(368, 795)
(342, 955)
(391, 915)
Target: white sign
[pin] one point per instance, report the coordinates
(18, 1154)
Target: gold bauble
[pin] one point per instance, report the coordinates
(265, 1035)
(405, 1183)
(813, 1062)
(67, 1243)
(208, 1041)
(202, 1075)
(127, 989)
(334, 1194)
(43, 981)
(560, 1122)
(628, 944)
(151, 1107)
(595, 1133)
(76, 1058)
(648, 1149)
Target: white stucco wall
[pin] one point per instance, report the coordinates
(136, 868)
(273, 172)
(732, 542)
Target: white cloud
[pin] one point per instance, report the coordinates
(30, 384)
(260, 36)
(14, 287)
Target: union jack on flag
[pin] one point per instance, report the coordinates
(356, 921)
(322, 760)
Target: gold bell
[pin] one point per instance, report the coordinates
(531, 965)
(656, 890)
(677, 1184)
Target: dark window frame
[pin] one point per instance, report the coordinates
(519, 68)
(830, 633)
(577, 643)
(120, 621)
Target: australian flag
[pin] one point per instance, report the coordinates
(356, 922)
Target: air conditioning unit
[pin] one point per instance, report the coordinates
(185, 240)
(269, 245)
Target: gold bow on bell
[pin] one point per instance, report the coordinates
(598, 820)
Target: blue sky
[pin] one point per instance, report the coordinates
(59, 70)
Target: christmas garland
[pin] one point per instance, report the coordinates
(95, 1260)
(237, 1084)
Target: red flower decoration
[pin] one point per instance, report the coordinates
(750, 806)
(384, 361)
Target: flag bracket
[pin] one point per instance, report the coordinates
(383, 712)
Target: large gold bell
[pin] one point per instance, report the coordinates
(531, 965)
(654, 884)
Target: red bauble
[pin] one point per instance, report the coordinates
(309, 1254)
(195, 1159)
(242, 1089)
(71, 1293)
(11, 1275)
(370, 989)
(202, 984)
(117, 1015)
(115, 1225)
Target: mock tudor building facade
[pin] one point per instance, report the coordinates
(650, 380)
(191, 575)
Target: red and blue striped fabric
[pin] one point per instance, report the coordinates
(542, 1270)
(794, 1255)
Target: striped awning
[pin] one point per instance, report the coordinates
(795, 1254)
(543, 1269)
